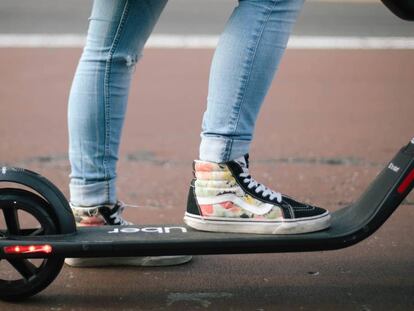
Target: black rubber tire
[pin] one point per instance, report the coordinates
(35, 205)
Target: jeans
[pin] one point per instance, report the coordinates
(243, 66)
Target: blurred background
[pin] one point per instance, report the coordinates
(340, 107)
(319, 17)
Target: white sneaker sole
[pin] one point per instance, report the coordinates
(242, 225)
(149, 261)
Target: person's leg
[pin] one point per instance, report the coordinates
(118, 30)
(223, 196)
(244, 63)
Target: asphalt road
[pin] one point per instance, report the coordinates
(337, 18)
(331, 121)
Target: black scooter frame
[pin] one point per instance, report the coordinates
(350, 225)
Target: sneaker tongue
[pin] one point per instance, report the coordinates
(243, 162)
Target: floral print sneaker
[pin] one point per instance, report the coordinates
(100, 215)
(225, 198)
(111, 215)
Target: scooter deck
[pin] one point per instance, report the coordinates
(180, 239)
(349, 226)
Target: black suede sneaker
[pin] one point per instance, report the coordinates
(111, 215)
(225, 198)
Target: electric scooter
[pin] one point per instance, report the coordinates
(55, 235)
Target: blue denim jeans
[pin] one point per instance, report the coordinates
(243, 67)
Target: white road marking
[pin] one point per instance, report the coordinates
(208, 41)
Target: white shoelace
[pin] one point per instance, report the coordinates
(260, 187)
(117, 216)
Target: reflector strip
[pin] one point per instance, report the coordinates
(28, 249)
(406, 182)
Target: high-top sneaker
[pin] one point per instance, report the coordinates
(225, 198)
(111, 215)
(100, 215)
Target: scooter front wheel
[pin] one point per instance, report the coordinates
(24, 213)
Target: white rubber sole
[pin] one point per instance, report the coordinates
(149, 261)
(242, 225)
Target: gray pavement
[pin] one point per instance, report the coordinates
(205, 17)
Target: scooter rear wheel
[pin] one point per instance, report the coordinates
(23, 213)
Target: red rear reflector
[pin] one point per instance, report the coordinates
(406, 182)
(28, 249)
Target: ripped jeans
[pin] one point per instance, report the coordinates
(243, 66)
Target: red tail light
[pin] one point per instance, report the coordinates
(406, 182)
(26, 249)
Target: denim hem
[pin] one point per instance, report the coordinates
(222, 149)
(99, 193)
